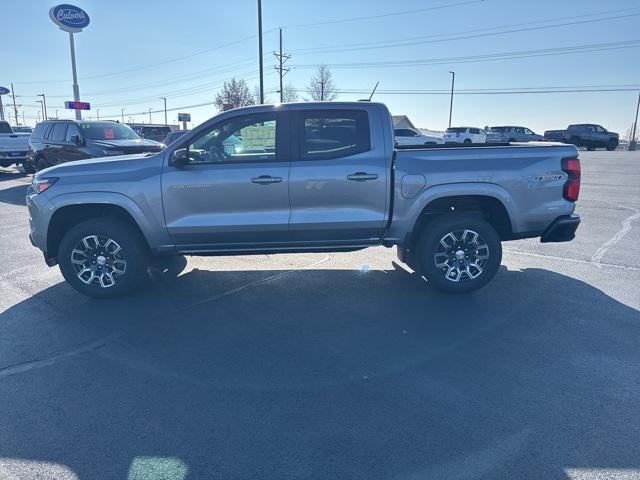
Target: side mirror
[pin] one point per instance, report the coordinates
(76, 140)
(179, 157)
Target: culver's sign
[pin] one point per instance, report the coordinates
(69, 17)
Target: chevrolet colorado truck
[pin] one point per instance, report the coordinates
(14, 147)
(302, 177)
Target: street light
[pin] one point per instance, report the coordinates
(44, 103)
(165, 109)
(453, 81)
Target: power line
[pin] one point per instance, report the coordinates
(596, 47)
(420, 41)
(384, 15)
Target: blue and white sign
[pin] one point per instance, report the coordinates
(4, 90)
(69, 17)
(184, 117)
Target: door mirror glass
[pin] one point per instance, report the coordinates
(179, 158)
(76, 140)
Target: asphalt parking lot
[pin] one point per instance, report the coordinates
(332, 365)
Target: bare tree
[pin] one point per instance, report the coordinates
(235, 93)
(321, 86)
(290, 94)
(627, 136)
(256, 96)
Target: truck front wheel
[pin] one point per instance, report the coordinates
(459, 253)
(103, 258)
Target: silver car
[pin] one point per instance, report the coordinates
(508, 134)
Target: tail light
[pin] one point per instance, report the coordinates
(572, 187)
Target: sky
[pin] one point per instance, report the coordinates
(134, 52)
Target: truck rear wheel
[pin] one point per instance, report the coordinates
(459, 253)
(103, 258)
(612, 145)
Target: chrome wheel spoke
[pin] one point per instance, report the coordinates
(461, 255)
(98, 261)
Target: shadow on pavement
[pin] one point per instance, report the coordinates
(14, 195)
(330, 374)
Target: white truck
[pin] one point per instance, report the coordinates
(14, 147)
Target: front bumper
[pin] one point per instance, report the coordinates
(562, 229)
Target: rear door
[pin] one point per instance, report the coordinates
(53, 146)
(233, 192)
(339, 176)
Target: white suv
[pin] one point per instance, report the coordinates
(465, 135)
(411, 136)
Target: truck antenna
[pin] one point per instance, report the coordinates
(374, 91)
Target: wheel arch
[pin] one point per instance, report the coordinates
(494, 207)
(70, 213)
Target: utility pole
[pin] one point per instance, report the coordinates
(632, 140)
(260, 51)
(453, 81)
(150, 115)
(97, 113)
(23, 122)
(321, 90)
(15, 109)
(280, 67)
(165, 109)
(122, 115)
(44, 102)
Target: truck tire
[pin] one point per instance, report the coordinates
(103, 258)
(590, 148)
(29, 167)
(575, 141)
(612, 145)
(41, 163)
(458, 253)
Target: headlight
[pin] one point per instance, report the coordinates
(42, 184)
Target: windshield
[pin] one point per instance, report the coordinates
(107, 131)
(499, 129)
(456, 130)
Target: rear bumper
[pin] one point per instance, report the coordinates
(562, 229)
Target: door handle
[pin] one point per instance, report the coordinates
(266, 179)
(362, 176)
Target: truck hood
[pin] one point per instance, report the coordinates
(106, 165)
(124, 143)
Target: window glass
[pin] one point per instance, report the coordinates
(474, 131)
(38, 132)
(456, 130)
(599, 129)
(72, 130)
(249, 138)
(58, 133)
(334, 133)
(107, 131)
(528, 132)
(5, 128)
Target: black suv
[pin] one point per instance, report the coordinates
(591, 136)
(59, 141)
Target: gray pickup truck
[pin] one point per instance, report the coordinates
(307, 177)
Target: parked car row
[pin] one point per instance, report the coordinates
(588, 135)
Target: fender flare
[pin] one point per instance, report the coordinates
(445, 190)
(148, 230)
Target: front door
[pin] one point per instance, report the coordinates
(339, 177)
(233, 190)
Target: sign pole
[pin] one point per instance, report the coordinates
(76, 89)
(1, 109)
